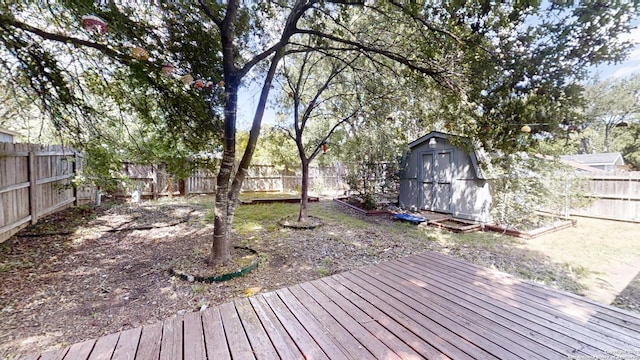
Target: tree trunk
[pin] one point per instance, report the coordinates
(607, 132)
(220, 248)
(304, 191)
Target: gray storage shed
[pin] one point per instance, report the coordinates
(438, 176)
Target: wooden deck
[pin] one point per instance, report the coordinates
(426, 306)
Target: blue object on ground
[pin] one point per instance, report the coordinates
(410, 218)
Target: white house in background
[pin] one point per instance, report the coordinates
(600, 161)
(7, 135)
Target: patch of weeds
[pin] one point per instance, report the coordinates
(263, 259)
(325, 268)
(272, 227)
(198, 288)
(15, 265)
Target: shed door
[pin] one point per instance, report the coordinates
(436, 181)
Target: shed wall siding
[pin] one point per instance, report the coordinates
(470, 196)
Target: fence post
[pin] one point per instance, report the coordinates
(282, 181)
(76, 202)
(33, 209)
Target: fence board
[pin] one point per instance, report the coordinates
(615, 196)
(34, 181)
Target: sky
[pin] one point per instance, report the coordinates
(628, 67)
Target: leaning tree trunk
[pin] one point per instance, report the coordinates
(304, 191)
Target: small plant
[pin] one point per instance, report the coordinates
(197, 289)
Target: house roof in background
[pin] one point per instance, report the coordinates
(614, 158)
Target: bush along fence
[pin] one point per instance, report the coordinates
(35, 181)
(152, 181)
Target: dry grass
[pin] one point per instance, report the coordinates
(605, 253)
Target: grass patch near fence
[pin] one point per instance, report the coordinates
(606, 252)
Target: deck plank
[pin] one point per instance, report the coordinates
(150, 341)
(355, 322)
(80, 351)
(444, 341)
(215, 341)
(283, 343)
(307, 345)
(398, 335)
(511, 309)
(511, 325)
(349, 342)
(604, 317)
(104, 347)
(456, 317)
(482, 340)
(258, 338)
(539, 292)
(171, 346)
(234, 332)
(127, 344)
(557, 321)
(194, 348)
(322, 336)
(54, 354)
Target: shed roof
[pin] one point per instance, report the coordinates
(8, 132)
(614, 158)
(478, 155)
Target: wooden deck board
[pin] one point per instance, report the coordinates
(547, 326)
(171, 346)
(104, 347)
(240, 347)
(258, 338)
(533, 290)
(618, 320)
(80, 351)
(150, 340)
(562, 318)
(506, 323)
(127, 344)
(322, 336)
(194, 348)
(423, 306)
(398, 333)
(458, 316)
(350, 338)
(282, 342)
(214, 338)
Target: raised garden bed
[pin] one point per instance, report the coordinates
(345, 201)
(551, 226)
(456, 225)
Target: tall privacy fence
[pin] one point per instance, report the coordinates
(154, 180)
(35, 181)
(615, 195)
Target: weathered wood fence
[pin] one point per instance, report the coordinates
(616, 196)
(154, 180)
(34, 182)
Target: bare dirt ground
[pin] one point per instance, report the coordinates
(87, 272)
